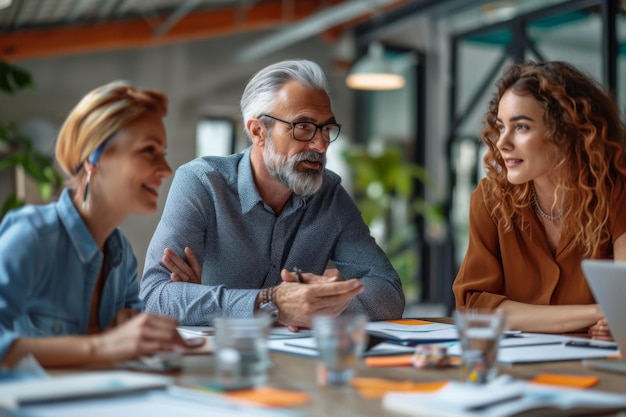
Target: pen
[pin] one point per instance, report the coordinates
(573, 343)
(531, 345)
(298, 273)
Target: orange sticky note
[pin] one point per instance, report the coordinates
(410, 322)
(377, 387)
(572, 381)
(380, 361)
(271, 397)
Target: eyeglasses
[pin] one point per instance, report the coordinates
(305, 131)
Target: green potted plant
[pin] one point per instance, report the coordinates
(17, 151)
(384, 191)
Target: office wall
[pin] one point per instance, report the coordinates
(201, 78)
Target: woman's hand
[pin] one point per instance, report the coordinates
(601, 331)
(122, 317)
(143, 334)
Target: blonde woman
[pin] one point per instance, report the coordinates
(68, 275)
(554, 194)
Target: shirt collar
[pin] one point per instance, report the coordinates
(80, 236)
(248, 193)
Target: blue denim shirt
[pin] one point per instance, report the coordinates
(49, 264)
(214, 207)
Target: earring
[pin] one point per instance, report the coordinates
(85, 203)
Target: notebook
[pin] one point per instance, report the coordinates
(607, 280)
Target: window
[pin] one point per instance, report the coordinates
(215, 136)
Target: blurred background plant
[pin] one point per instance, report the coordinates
(384, 188)
(17, 151)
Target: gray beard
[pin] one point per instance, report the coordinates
(285, 170)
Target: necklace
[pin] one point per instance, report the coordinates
(540, 210)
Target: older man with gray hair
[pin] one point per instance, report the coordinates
(257, 229)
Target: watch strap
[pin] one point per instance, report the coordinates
(267, 305)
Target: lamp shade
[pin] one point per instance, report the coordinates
(373, 72)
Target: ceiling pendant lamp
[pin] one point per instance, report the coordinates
(373, 72)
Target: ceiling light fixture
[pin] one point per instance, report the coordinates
(374, 72)
(5, 3)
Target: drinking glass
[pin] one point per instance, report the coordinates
(340, 343)
(241, 351)
(480, 332)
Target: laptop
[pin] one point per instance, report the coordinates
(607, 280)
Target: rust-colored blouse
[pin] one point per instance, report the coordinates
(519, 265)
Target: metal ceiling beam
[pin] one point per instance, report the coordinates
(136, 33)
(175, 17)
(313, 25)
(108, 8)
(79, 8)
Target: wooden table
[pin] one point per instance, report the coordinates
(297, 373)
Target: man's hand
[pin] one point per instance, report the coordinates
(330, 275)
(181, 270)
(322, 294)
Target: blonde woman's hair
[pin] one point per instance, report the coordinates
(98, 116)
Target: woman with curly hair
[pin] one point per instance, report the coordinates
(554, 194)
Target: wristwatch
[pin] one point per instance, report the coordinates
(267, 305)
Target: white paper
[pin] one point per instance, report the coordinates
(166, 403)
(499, 400)
(299, 346)
(77, 386)
(386, 326)
(539, 347)
(196, 330)
(549, 353)
(276, 332)
(307, 347)
(421, 333)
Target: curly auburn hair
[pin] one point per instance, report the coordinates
(584, 124)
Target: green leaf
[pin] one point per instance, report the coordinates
(45, 191)
(8, 162)
(33, 169)
(18, 150)
(370, 210)
(5, 84)
(403, 181)
(54, 178)
(13, 78)
(394, 179)
(22, 78)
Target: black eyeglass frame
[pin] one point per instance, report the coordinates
(317, 127)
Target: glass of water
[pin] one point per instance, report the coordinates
(241, 352)
(480, 332)
(340, 343)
